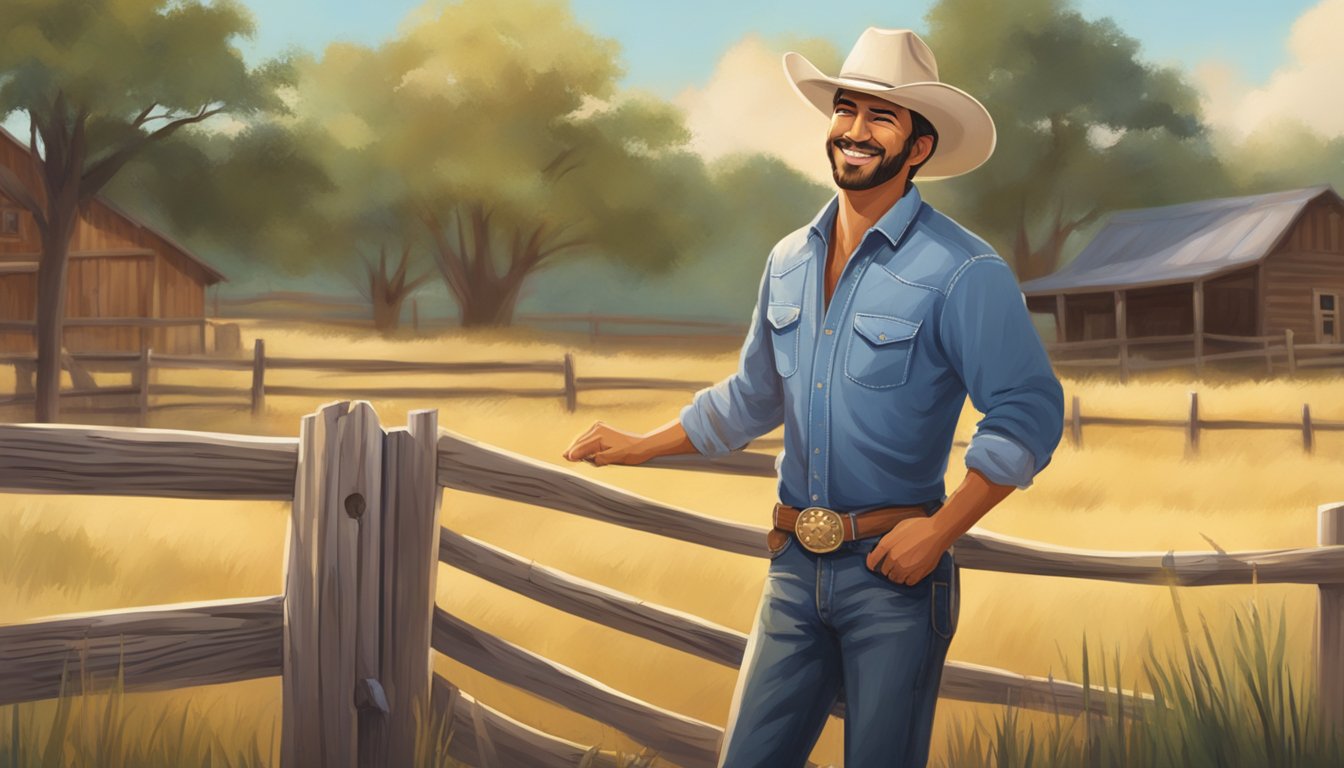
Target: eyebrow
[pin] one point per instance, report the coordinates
(877, 110)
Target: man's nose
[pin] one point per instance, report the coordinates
(858, 130)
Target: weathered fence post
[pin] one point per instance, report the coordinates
(1192, 429)
(1308, 435)
(331, 626)
(571, 390)
(1292, 353)
(1269, 358)
(410, 559)
(258, 376)
(1330, 643)
(1076, 422)
(142, 374)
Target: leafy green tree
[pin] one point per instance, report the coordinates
(1085, 126)
(500, 132)
(103, 83)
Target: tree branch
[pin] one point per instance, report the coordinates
(102, 171)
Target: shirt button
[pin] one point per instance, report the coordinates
(818, 385)
(815, 497)
(882, 336)
(829, 331)
(816, 450)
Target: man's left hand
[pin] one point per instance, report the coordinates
(908, 552)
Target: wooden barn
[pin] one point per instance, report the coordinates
(1207, 271)
(128, 286)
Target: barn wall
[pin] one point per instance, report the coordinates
(1310, 256)
(180, 295)
(1229, 304)
(1090, 316)
(1165, 310)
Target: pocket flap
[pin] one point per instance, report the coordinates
(782, 315)
(882, 329)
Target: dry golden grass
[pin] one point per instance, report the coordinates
(1126, 488)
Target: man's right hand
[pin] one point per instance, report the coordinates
(603, 444)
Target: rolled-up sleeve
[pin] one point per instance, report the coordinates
(988, 338)
(747, 404)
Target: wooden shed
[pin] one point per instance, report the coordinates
(128, 285)
(1211, 270)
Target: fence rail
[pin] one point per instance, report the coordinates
(1277, 352)
(362, 560)
(142, 365)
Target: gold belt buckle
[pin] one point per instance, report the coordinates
(819, 530)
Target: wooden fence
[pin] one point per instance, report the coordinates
(1278, 353)
(1193, 424)
(294, 305)
(142, 391)
(352, 634)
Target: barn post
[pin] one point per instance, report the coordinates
(1192, 429)
(1292, 353)
(258, 376)
(410, 558)
(331, 634)
(571, 384)
(142, 374)
(1330, 641)
(1122, 334)
(1197, 302)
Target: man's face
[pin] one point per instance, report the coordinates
(869, 142)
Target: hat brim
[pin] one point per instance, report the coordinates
(966, 133)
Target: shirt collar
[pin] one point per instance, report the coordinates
(892, 224)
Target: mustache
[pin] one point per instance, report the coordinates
(843, 143)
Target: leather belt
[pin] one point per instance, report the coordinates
(822, 530)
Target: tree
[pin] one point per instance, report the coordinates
(101, 84)
(499, 132)
(1084, 125)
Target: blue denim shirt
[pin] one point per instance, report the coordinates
(869, 391)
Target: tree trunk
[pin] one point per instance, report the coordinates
(51, 308)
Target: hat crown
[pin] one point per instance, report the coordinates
(890, 57)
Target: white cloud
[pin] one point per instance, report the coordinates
(749, 106)
(1306, 89)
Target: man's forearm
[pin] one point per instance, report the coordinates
(971, 501)
(669, 439)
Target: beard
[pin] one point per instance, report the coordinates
(867, 176)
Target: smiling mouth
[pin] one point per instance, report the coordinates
(855, 157)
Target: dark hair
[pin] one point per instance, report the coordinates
(920, 126)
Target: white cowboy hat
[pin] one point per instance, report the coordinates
(894, 64)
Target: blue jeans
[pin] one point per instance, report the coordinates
(827, 627)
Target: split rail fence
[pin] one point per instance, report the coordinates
(352, 634)
(141, 390)
(1278, 353)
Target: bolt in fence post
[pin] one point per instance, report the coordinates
(1330, 642)
(1192, 430)
(571, 389)
(258, 376)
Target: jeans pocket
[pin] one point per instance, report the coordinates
(777, 542)
(945, 602)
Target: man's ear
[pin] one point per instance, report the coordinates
(923, 148)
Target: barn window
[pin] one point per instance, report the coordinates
(1327, 317)
(9, 222)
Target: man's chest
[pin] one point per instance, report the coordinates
(829, 315)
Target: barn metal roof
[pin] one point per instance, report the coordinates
(1179, 243)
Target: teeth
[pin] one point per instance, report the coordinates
(852, 153)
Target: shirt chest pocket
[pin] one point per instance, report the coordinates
(783, 315)
(880, 350)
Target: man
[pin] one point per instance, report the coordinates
(873, 324)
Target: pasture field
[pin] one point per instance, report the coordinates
(1126, 489)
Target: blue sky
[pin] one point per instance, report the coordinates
(670, 45)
